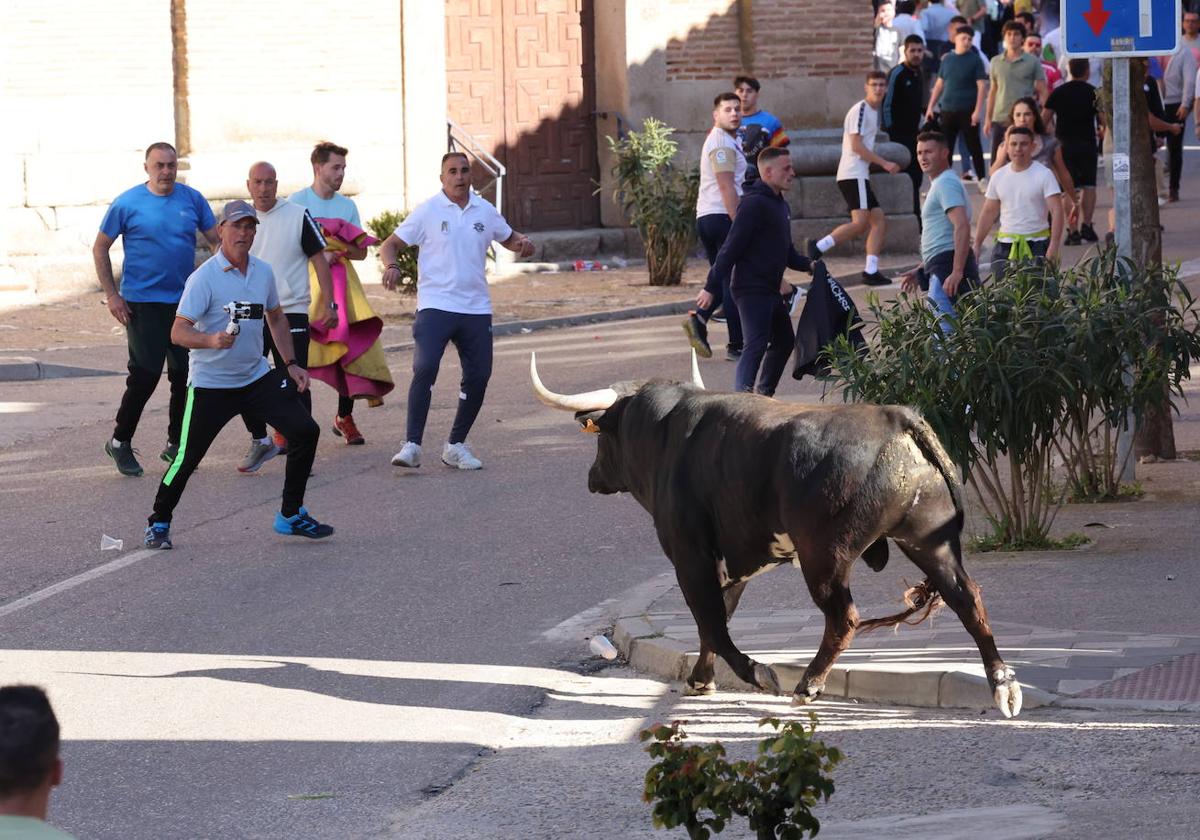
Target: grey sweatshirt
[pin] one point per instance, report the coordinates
(1179, 79)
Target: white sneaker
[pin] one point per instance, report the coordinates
(983, 185)
(459, 456)
(408, 456)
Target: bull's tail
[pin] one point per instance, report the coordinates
(923, 435)
(922, 600)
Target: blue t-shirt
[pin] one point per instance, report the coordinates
(159, 239)
(213, 285)
(338, 207)
(960, 74)
(937, 233)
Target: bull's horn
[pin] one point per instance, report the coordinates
(590, 401)
(696, 380)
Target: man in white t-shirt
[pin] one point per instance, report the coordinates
(1022, 193)
(453, 231)
(289, 240)
(854, 180)
(722, 176)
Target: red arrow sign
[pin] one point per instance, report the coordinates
(1096, 17)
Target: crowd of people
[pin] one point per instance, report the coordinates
(989, 78)
(281, 283)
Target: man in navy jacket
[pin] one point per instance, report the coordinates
(759, 246)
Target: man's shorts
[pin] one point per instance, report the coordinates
(1081, 159)
(858, 194)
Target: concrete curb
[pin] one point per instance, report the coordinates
(650, 652)
(534, 325)
(28, 369)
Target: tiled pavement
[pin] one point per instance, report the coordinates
(935, 663)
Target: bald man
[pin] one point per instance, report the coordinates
(289, 241)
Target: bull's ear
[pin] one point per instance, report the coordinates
(589, 421)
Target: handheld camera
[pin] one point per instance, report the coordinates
(240, 310)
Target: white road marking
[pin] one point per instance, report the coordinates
(78, 580)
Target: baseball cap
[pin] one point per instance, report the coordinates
(237, 209)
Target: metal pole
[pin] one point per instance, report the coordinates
(1123, 229)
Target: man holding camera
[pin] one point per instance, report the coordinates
(219, 320)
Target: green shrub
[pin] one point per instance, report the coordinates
(1043, 361)
(694, 786)
(659, 196)
(383, 226)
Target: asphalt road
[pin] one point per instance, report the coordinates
(205, 689)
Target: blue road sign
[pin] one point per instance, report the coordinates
(1120, 28)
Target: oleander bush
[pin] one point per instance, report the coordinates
(383, 226)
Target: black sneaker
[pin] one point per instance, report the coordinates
(158, 535)
(123, 455)
(301, 525)
(811, 250)
(718, 315)
(733, 352)
(876, 279)
(170, 453)
(1088, 233)
(697, 333)
(1073, 238)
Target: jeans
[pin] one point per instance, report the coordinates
(956, 125)
(1000, 254)
(472, 336)
(770, 341)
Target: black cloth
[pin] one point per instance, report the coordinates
(1174, 146)
(272, 397)
(903, 104)
(768, 331)
(298, 327)
(1074, 107)
(1082, 161)
(828, 313)
(941, 266)
(758, 247)
(754, 138)
(1154, 104)
(312, 241)
(148, 336)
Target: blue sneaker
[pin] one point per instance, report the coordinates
(158, 535)
(301, 525)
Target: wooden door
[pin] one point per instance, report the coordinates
(520, 79)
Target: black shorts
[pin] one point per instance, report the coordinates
(858, 194)
(1081, 159)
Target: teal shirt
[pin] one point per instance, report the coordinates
(960, 75)
(28, 828)
(937, 233)
(337, 207)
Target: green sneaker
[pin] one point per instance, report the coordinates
(123, 455)
(170, 453)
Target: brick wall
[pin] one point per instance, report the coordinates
(789, 38)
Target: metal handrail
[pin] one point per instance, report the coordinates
(468, 145)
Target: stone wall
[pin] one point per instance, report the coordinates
(88, 86)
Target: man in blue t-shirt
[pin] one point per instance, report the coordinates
(157, 222)
(758, 129)
(948, 263)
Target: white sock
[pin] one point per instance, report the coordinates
(263, 441)
(116, 443)
(825, 243)
(872, 264)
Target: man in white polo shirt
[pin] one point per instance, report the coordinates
(722, 178)
(1022, 194)
(288, 240)
(228, 374)
(453, 231)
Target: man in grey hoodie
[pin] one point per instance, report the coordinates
(1179, 91)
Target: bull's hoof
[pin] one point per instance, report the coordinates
(1006, 691)
(766, 679)
(804, 695)
(695, 689)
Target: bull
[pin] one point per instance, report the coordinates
(739, 484)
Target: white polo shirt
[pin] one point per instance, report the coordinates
(721, 153)
(452, 260)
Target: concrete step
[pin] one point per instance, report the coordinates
(818, 196)
(902, 235)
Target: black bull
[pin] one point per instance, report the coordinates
(738, 483)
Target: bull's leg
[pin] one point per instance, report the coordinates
(701, 680)
(832, 595)
(702, 591)
(942, 564)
